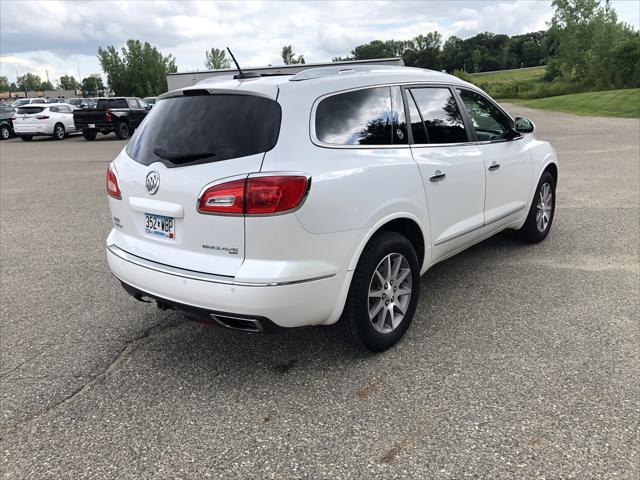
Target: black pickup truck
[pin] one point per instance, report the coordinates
(120, 115)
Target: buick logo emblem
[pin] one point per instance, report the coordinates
(152, 182)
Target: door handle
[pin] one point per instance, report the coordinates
(494, 166)
(437, 176)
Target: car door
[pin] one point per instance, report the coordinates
(135, 116)
(507, 158)
(67, 117)
(451, 166)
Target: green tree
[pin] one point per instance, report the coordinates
(587, 35)
(139, 69)
(68, 82)
(46, 85)
(4, 84)
(423, 51)
(289, 57)
(29, 81)
(92, 85)
(216, 59)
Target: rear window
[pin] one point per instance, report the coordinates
(112, 103)
(196, 129)
(29, 110)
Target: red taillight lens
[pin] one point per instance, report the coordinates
(42, 117)
(107, 116)
(224, 198)
(255, 195)
(112, 184)
(274, 194)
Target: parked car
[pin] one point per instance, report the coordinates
(151, 101)
(28, 101)
(82, 102)
(227, 207)
(6, 121)
(120, 115)
(54, 119)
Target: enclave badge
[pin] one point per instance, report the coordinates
(152, 182)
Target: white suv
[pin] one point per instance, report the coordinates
(284, 201)
(51, 119)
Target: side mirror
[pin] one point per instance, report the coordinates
(524, 125)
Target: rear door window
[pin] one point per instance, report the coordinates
(196, 129)
(439, 111)
(360, 117)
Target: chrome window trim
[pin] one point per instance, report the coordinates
(200, 276)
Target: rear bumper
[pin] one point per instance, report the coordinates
(33, 130)
(288, 304)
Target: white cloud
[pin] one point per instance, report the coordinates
(64, 35)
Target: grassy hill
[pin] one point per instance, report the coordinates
(610, 103)
(502, 77)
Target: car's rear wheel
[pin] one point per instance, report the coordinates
(122, 131)
(89, 134)
(26, 138)
(383, 294)
(541, 213)
(5, 133)
(58, 131)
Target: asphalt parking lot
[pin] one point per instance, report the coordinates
(522, 361)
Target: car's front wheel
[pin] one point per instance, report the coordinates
(384, 293)
(542, 210)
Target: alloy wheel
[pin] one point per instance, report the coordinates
(544, 207)
(389, 293)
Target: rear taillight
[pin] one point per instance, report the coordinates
(42, 117)
(107, 116)
(262, 195)
(112, 184)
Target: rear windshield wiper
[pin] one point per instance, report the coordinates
(177, 157)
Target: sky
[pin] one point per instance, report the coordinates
(62, 37)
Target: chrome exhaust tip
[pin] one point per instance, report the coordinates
(236, 323)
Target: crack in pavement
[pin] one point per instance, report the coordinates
(121, 359)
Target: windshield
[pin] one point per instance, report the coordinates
(191, 130)
(22, 101)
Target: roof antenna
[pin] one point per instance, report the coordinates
(240, 75)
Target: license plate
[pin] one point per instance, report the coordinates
(160, 226)
(92, 125)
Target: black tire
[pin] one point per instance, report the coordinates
(26, 138)
(122, 131)
(531, 231)
(58, 131)
(5, 133)
(89, 134)
(355, 324)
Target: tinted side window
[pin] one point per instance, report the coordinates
(361, 117)
(441, 115)
(489, 122)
